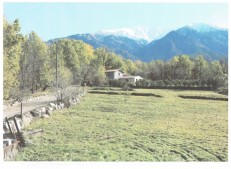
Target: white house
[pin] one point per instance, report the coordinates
(114, 74)
(131, 79)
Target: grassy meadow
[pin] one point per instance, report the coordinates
(125, 127)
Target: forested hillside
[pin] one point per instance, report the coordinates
(30, 65)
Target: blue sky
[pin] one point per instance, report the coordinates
(53, 20)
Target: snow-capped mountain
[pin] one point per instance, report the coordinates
(196, 39)
(137, 33)
(200, 39)
(203, 28)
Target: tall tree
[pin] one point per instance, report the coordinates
(200, 66)
(36, 61)
(131, 66)
(156, 70)
(114, 62)
(174, 66)
(12, 41)
(181, 67)
(101, 55)
(58, 65)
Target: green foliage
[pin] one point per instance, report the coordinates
(114, 62)
(130, 67)
(199, 69)
(185, 72)
(75, 56)
(143, 83)
(102, 56)
(35, 64)
(223, 87)
(12, 41)
(117, 83)
(100, 77)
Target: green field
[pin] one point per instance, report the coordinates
(107, 127)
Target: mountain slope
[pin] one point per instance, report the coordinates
(200, 39)
(124, 46)
(212, 44)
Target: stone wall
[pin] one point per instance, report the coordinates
(42, 112)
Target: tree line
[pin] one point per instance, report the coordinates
(183, 71)
(29, 64)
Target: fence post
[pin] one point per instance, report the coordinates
(21, 109)
(9, 125)
(16, 125)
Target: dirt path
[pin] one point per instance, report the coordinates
(11, 111)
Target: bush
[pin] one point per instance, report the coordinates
(223, 90)
(159, 83)
(143, 83)
(223, 85)
(168, 82)
(117, 83)
(177, 82)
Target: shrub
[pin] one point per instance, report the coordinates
(116, 83)
(143, 83)
(168, 82)
(159, 83)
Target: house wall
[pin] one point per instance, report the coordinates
(117, 74)
(131, 80)
(114, 75)
(138, 78)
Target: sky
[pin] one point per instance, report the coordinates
(54, 20)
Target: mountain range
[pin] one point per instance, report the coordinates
(136, 33)
(193, 40)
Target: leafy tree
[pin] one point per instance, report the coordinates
(224, 65)
(200, 66)
(12, 41)
(70, 57)
(185, 67)
(114, 62)
(131, 67)
(174, 66)
(141, 68)
(102, 56)
(99, 78)
(65, 76)
(35, 62)
(156, 70)
(216, 75)
(77, 57)
(86, 55)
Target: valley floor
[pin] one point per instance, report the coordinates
(106, 127)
